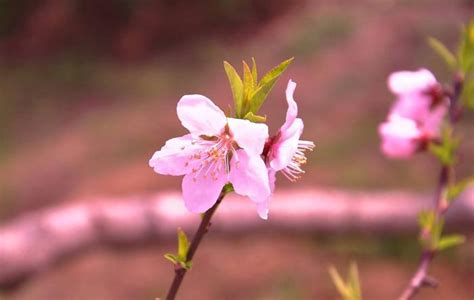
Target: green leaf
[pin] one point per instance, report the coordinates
(354, 281)
(426, 219)
(449, 241)
(249, 86)
(276, 71)
(441, 153)
(255, 118)
(254, 72)
(446, 149)
(467, 95)
(236, 86)
(183, 245)
(436, 232)
(456, 189)
(186, 264)
(443, 52)
(348, 289)
(466, 49)
(341, 286)
(266, 84)
(172, 258)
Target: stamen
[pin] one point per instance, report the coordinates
(294, 171)
(210, 161)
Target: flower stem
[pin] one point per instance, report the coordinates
(420, 278)
(180, 271)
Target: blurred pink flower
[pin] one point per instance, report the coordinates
(417, 114)
(400, 136)
(286, 152)
(218, 150)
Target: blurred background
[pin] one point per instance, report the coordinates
(88, 91)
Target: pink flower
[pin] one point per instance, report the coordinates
(285, 152)
(401, 137)
(416, 116)
(218, 150)
(417, 94)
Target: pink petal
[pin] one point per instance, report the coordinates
(399, 137)
(200, 115)
(292, 111)
(248, 135)
(174, 156)
(201, 192)
(249, 176)
(434, 121)
(262, 207)
(284, 149)
(404, 82)
(414, 106)
(271, 178)
(262, 210)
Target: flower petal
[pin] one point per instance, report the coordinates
(249, 176)
(292, 111)
(262, 207)
(285, 148)
(262, 210)
(201, 192)
(405, 82)
(434, 120)
(200, 115)
(399, 137)
(248, 135)
(174, 158)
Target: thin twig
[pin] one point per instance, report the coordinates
(202, 230)
(420, 278)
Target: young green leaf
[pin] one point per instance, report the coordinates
(183, 245)
(236, 86)
(341, 286)
(466, 49)
(443, 52)
(449, 241)
(266, 84)
(172, 258)
(445, 150)
(441, 152)
(249, 86)
(276, 71)
(254, 72)
(426, 219)
(255, 118)
(349, 289)
(456, 189)
(436, 232)
(354, 281)
(467, 95)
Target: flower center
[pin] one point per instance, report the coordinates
(293, 170)
(214, 157)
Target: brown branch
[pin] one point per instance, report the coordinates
(36, 241)
(180, 272)
(420, 278)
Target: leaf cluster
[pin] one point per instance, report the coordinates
(433, 226)
(248, 92)
(181, 258)
(349, 289)
(461, 61)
